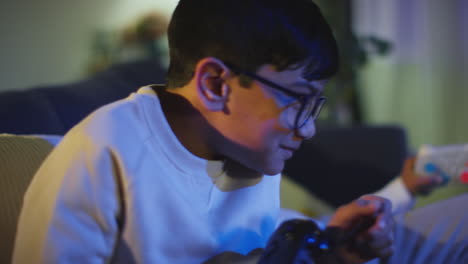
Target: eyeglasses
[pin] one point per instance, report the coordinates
(310, 104)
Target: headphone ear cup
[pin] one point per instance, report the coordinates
(224, 90)
(211, 95)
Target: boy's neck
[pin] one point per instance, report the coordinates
(188, 124)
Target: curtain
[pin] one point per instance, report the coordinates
(422, 83)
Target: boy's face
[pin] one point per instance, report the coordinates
(261, 119)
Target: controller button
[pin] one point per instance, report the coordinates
(464, 177)
(430, 168)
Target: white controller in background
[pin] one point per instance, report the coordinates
(448, 161)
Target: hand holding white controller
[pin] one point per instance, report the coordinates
(448, 161)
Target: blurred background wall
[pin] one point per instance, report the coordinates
(404, 61)
(51, 41)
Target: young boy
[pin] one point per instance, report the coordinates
(188, 172)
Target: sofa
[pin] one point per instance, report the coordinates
(55, 109)
(20, 157)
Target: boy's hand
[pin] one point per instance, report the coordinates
(365, 230)
(415, 183)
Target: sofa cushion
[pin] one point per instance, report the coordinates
(20, 157)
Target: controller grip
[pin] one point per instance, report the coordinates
(292, 238)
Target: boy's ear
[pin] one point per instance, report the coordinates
(212, 90)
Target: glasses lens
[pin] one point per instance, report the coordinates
(310, 110)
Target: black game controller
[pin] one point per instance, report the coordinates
(295, 241)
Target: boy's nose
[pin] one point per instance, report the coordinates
(307, 131)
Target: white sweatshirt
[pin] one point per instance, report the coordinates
(121, 188)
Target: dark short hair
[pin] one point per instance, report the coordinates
(249, 34)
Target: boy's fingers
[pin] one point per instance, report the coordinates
(379, 203)
(409, 163)
(429, 181)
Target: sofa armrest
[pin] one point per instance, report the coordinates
(340, 164)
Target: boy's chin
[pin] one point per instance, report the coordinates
(274, 169)
(263, 167)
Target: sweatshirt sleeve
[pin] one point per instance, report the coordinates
(70, 210)
(396, 192)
